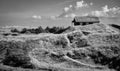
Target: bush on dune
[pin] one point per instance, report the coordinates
(9, 68)
(112, 39)
(96, 28)
(103, 55)
(34, 31)
(115, 26)
(106, 55)
(54, 42)
(55, 30)
(16, 54)
(77, 39)
(38, 30)
(15, 30)
(18, 60)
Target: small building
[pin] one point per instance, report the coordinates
(85, 20)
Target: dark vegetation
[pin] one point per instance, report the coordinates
(6, 34)
(15, 54)
(100, 48)
(104, 55)
(77, 40)
(54, 30)
(107, 55)
(115, 26)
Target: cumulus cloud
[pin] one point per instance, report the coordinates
(105, 8)
(72, 15)
(36, 17)
(106, 12)
(52, 17)
(80, 4)
(91, 3)
(67, 11)
(70, 6)
(99, 13)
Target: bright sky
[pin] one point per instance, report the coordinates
(53, 12)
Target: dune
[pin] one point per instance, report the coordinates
(86, 48)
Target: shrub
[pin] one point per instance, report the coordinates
(15, 54)
(86, 33)
(18, 61)
(54, 42)
(106, 55)
(111, 39)
(15, 30)
(103, 55)
(55, 30)
(6, 34)
(24, 30)
(74, 35)
(115, 26)
(77, 40)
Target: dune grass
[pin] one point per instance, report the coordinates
(62, 52)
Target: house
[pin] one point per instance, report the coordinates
(85, 20)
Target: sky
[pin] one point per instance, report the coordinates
(56, 12)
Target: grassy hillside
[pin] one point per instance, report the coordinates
(87, 48)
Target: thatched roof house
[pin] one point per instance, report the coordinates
(85, 20)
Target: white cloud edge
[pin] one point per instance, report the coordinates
(37, 17)
(105, 12)
(69, 10)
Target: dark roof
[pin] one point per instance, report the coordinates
(86, 19)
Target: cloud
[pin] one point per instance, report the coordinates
(105, 8)
(52, 17)
(106, 12)
(81, 4)
(66, 9)
(91, 3)
(99, 13)
(36, 17)
(72, 8)
(72, 15)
